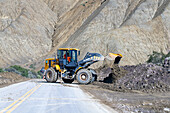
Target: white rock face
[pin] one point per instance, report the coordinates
(26, 27)
(60, 7)
(133, 28)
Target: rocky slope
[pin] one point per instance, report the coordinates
(134, 28)
(32, 29)
(25, 29)
(73, 20)
(29, 29)
(60, 7)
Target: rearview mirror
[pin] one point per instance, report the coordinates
(78, 53)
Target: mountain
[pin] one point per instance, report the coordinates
(31, 31)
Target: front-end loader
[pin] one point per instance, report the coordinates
(67, 67)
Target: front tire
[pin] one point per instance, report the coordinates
(94, 78)
(84, 76)
(51, 75)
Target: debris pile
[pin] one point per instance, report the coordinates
(143, 77)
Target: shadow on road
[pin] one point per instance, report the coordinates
(58, 82)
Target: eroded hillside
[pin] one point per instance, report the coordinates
(32, 30)
(134, 28)
(26, 28)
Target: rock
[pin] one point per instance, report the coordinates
(60, 7)
(26, 29)
(166, 62)
(167, 109)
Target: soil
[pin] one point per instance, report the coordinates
(7, 78)
(149, 78)
(132, 101)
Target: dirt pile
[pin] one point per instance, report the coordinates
(7, 78)
(143, 77)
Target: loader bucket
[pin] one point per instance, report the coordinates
(110, 64)
(114, 57)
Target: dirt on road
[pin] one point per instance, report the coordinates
(7, 78)
(134, 101)
(139, 88)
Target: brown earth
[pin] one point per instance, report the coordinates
(143, 77)
(7, 78)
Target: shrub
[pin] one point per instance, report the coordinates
(157, 57)
(32, 74)
(24, 72)
(39, 76)
(12, 70)
(32, 66)
(1, 70)
(39, 72)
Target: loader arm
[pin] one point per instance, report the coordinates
(90, 59)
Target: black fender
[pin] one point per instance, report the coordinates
(94, 74)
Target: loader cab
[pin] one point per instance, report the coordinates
(67, 57)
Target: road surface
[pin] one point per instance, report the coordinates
(38, 96)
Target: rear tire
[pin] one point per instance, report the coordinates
(67, 80)
(84, 76)
(51, 75)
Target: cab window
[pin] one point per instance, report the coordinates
(74, 55)
(60, 54)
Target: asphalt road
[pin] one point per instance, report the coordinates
(38, 96)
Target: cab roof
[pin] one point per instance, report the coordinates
(68, 49)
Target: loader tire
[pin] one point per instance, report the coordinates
(84, 76)
(94, 78)
(51, 75)
(67, 80)
(94, 75)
